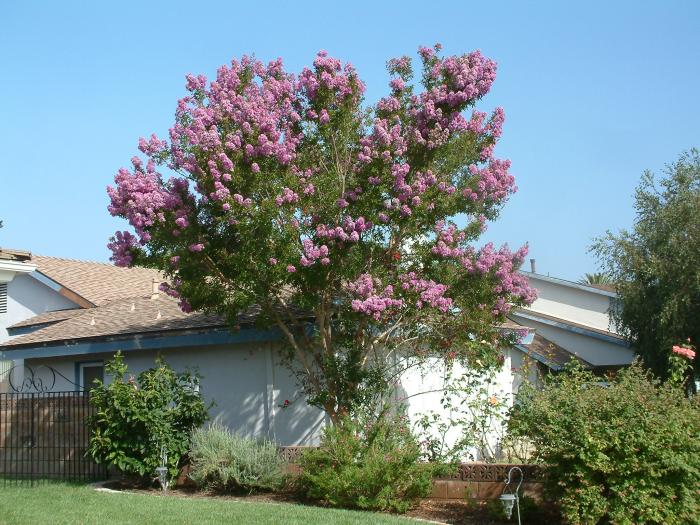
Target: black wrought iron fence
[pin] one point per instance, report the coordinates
(44, 436)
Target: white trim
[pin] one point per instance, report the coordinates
(8, 269)
(570, 284)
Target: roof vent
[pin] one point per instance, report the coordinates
(533, 268)
(155, 289)
(3, 298)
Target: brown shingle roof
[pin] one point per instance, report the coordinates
(551, 353)
(14, 255)
(49, 317)
(98, 283)
(126, 316)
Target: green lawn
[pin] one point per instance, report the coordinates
(57, 503)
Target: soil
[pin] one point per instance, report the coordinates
(454, 512)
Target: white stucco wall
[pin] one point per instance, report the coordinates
(422, 389)
(247, 384)
(573, 304)
(27, 297)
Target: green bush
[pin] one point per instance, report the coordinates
(224, 461)
(366, 463)
(622, 451)
(137, 418)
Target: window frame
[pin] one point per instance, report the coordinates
(80, 366)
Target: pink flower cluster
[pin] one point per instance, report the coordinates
(260, 104)
(682, 351)
(173, 291)
(458, 81)
(143, 199)
(502, 264)
(121, 245)
(448, 239)
(368, 301)
(329, 73)
(288, 196)
(349, 231)
(491, 182)
(152, 146)
(313, 253)
(429, 292)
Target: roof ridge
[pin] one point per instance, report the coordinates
(107, 264)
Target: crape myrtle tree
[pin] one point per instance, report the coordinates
(336, 222)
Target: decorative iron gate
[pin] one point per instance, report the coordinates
(44, 435)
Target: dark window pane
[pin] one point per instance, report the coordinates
(90, 373)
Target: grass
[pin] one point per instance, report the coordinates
(62, 503)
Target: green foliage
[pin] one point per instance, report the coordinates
(224, 461)
(597, 278)
(136, 418)
(656, 265)
(624, 451)
(368, 463)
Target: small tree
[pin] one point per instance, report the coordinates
(656, 265)
(334, 221)
(136, 419)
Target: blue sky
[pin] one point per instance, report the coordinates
(594, 93)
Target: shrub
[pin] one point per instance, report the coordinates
(366, 463)
(136, 419)
(622, 451)
(224, 461)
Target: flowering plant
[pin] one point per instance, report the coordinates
(681, 362)
(335, 220)
(472, 420)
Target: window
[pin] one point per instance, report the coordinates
(88, 372)
(3, 298)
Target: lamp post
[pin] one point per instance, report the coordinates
(508, 497)
(162, 470)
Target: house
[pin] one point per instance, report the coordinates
(64, 318)
(574, 318)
